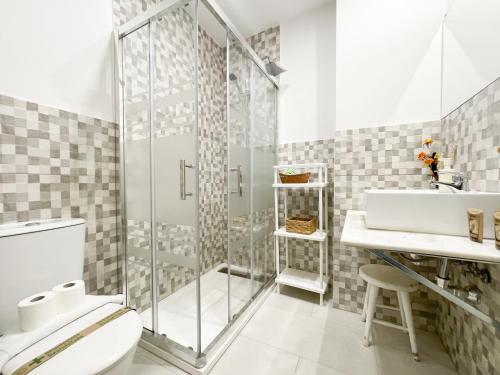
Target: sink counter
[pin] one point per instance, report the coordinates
(356, 233)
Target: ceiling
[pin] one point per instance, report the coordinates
(253, 16)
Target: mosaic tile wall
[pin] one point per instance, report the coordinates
(212, 151)
(125, 10)
(267, 43)
(55, 164)
(474, 128)
(173, 242)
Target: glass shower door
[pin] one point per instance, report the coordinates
(160, 174)
(252, 155)
(240, 259)
(175, 188)
(263, 139)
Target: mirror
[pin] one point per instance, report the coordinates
(471, 50)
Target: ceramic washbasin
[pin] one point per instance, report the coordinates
(429, 211)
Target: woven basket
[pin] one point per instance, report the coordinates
(301, 178)
(302, 225)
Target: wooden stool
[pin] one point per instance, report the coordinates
(386, 277)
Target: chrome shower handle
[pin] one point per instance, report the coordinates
(183, 167)
(239, 180)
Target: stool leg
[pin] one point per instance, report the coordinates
(405, 296)
(401, 310)
(365, 303)
(370, 312)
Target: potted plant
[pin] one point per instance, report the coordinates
(430, 158)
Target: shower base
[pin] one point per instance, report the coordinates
(222, 342)
(177, 312)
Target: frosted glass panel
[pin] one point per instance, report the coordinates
(239, 179)
(175, 191)
(136, 170)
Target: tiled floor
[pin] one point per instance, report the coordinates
(292, 335)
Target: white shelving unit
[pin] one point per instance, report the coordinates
(313, 282)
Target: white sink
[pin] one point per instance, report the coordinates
(429, 211)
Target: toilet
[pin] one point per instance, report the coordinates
(34, 257)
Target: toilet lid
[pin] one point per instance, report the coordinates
(92, 354)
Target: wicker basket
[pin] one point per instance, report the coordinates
(302, 225)
(300, 178)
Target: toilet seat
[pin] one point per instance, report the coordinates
(99, 351)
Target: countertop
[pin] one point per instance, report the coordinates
(355, 233)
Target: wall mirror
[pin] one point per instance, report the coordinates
(470, 50)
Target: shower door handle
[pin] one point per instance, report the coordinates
(239, 180)
(183, 167)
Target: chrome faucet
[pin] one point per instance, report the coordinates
(459, 182)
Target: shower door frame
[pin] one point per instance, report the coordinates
(196, 358)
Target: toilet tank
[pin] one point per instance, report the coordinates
(34, 257)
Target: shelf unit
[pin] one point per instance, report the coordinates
(313, 282)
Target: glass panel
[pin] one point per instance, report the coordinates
(175, 137)
(212, 138)
(239, 179)
(135, 107)
(263, 160)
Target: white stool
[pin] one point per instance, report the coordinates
(386, 277)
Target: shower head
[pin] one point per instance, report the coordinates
(272, 68)
(234, 78)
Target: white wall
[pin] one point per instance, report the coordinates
(58, 53)
(307, 89)
(471, 51)
(388, 62)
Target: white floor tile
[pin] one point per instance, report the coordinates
(393, 353)
(393, 362)
(336, 316)
(330, 344)
(144, 364)
(148, 369)
(289, 299)
(308, 367)
(246, 356)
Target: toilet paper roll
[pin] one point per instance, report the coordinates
(69, 295)
(36, 310)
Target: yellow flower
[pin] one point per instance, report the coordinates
(428, 141)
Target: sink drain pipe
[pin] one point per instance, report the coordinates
(442, 278)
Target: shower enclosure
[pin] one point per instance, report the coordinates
(198, 143)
